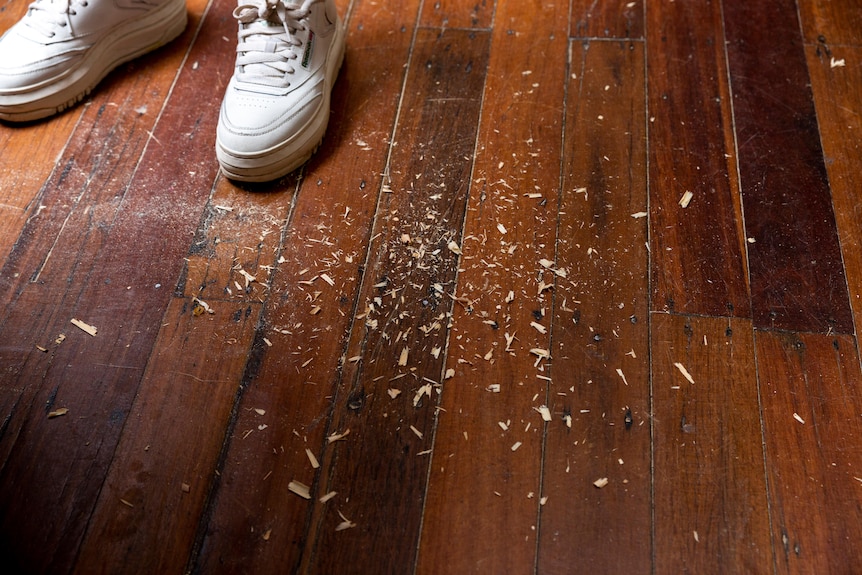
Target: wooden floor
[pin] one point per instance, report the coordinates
(570, 287)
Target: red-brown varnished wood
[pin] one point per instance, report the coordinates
(311, 306)
(76, 256)
(459, 13)
(489, 404)
(610, 19)
(797, 278)
(600, 367)
(397, 336)
(831, 22)
(362, 318)
(710, 504)
(810, 389)
(698, 251)
(839, 111)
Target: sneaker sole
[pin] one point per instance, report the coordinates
(125, 43)
(297, 151)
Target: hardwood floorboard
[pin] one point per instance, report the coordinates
(611, 19)
(797, 279)
(600, 367)
(831, 22)
(502, 313)
(457, 14)
(307, 320)
(698, 250)
(810, 389)
(75, 255)
(710, 504)
(394, 342)
(839, 101)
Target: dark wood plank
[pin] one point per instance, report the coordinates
(838, 100)
(458, 13)
(600, 367)
(698, 252)
(478, 484)
(797, 279)
(105, 204)
(380, 471)
(831, 22)
(294, 379)
(609, 19)
(810, 388)
(711, 513)
(149, 507)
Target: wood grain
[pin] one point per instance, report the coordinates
(839, 111)
(831, 22)
(611, 19)
(810, 388)
(307, 318)
(710, 504)
(600, 368)
(459, 13)
(394, 342)
(698, 251)
(76, 255)
(510, 227)
(797, 279)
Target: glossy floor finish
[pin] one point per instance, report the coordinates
(570, 287)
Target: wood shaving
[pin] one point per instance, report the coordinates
(312, 459)
(402, 360)
(58, 413)
(454, 248)
(393, 393)
(684, 372)
(685, 200)
(601, 482)
(85, 327)
(337, 436)
(516, 445)
(622, 376)
(300, 489)
(328, 496)
(345, 523)
(836, 63)
(798, 418)
(417, 432)
(545, 412)
(260, 411)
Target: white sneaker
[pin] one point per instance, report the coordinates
(61, 49)
(276, 106)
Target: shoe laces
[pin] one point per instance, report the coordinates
(268, 40)
(49, 16)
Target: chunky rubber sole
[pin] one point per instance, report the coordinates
(272, 164)
(126, 42)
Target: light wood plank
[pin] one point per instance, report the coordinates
(710, 501)
(510, 228)
(810, 388)
(600, 370)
